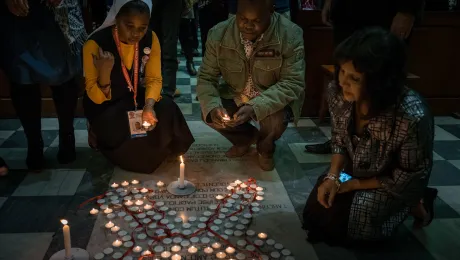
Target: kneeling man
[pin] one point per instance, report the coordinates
(253, 69)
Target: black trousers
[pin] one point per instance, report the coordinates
(186, 37)
(271, 129)
(209, 16)
(27, 103)
(165, 22)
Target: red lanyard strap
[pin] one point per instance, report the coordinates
(131, 87)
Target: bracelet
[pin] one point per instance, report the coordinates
(334, 178)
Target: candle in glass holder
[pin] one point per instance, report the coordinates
(221, 255)
(226, 118)
(146, 124)
(230, 250)
(117, 243)
(259, 198)
(144, 190)
(114, 185)
(176, 248)
(176, 257)
(109, 225)
(134, 182)
(124, 183)
(243, 186)
(208, 250)
(192, 250)
(115, 229)
(146, 253)
(148, 207)
(230, 188)
(262, 236)
(219, 197)
(93, 211)
(108, 210)
(137, 249)
(216, 245)
(238, 182)
(128, 203)
(160, 184)
(139, 202)
(166, 254)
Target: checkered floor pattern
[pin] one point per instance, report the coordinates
(31, 204)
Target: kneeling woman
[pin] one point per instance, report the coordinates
(122, 65)
(382, 135)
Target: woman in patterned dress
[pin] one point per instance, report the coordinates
(382, 135)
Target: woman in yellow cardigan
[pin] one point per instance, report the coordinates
(122, 65)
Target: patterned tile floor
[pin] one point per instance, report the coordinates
(31, 204)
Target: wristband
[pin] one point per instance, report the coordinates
(334, 178)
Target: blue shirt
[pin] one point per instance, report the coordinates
(281, 6)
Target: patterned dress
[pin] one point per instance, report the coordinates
(397, 149)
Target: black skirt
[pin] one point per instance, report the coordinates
(171, 136)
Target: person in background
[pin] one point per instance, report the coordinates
(122, 65)
(382, 135)
(211, 12)
(165, 22)
(187, 25)
(281, 6)
(347, 16)
(42, 43)
(3, 168)
(260, 56)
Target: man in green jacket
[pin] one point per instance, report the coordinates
(253, 69)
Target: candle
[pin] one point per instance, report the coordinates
(259, 189)
(181, 176)
(139, 202)
(134, 191)
(275, 255)
(262, 236)
(216, 245)
(66, 231)
(176, 248)
(286, 252)
(128, 203)
(259, 198)
(241, 256)
(109, 225)
(117, 255)
(185, 243)
(148, 207)
(230, 250)
(99, 256)
(270, 242)
(221, 255)
(243, 186)
(208, 250)
(230, 188)
(238, 182)
(108, 210)
(108, 251)
(258, 242)
(146, 124)
(219, 197)
(160, 184)
(166, 254)
(134, 182)
(114, 185)
(137, 249)
(146, 252)
(192, 250)
(125, 183)
(116, 243)
(115, 229)
(144, 190)
(93, 211)
(250, 233)
(176, 257)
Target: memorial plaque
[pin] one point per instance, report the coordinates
(208, 168)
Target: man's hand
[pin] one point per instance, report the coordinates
(18, 7)
(402, 25)
(217, 116)
(244, 114)
(326, 13)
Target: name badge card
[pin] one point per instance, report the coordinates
(135, 124)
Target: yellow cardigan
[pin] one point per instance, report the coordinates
(153, 80)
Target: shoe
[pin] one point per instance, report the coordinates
(191, 68)
(66, 153)
(429, 197)
(177, 93)
(35, 161)
(266, 163)
(324, 148)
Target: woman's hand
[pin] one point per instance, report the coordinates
(149, 116)
(104, 62)
(326, 193)
(18, 7)
(348, 186)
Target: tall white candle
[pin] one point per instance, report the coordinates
(181, 176)
(66, 231)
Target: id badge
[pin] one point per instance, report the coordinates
(135, 124)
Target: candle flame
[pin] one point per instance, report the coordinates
(64, 222)
(181, 159)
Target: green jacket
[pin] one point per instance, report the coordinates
(277, 63)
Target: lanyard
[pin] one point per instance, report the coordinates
(131, 87)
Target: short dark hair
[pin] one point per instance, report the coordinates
(381, 57)
(135, 6)
(267, 3)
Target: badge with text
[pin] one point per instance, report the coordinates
(135, 124)
(268, 53)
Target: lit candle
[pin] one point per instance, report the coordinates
(146, 253)
(208, 250)
(66, 231)
(176, 248)
(137, 249)
(166, 254)
(125, 183)
(192, 250)
(216, 245)
(146, 124)
(219, 197)
(181, 176)
(129, 203)
(109, 225)
(148, 207)
(139, 202)
(259, 189)
(160, 184)
(114, 185)
(176, 257)
(93, 211)
(230, 188)
(144, 190)
(108, 210)
(259, 198)
(262, 236)
(230, 250)
(221, 255)
(116, 243)
(115, 229)
(238, 182)
(226, 118)
(134, 182)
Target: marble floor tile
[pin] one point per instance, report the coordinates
(442, 135)
(455, 163)
(450, 195)
(10, 124)
(19, 140)
(184, 89)
(452, 129)
(9, 183)
(449, 150)
(2, 200)
(441, 238)
(24, 246)
(194, 101)
(446, 120)
(81, 139)
(183, 81)
(303, 122)
(303, 134)
(444, 174)
(48, 124)
(80, 124)
(5, 135)
(182, 74)
(84, 155)
(298, 149)
(193, 82)
(326, 131)
(14, 157)
(57, 182)
(199, 127)
(443, 210)
(437, 157)
(185, 108)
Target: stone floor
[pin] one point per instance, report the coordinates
(31, 205)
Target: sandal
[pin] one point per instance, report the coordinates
(3, 168)
(429, 197)
(324, 148)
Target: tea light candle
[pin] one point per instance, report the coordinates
(270, 242)
(224, 210)
(164, 221)
(278, 246)
(219, 197)
(167, 241)
(208, 250)
(148, 207)
(255, 209)
(146, 124)
(172, 213)
(192, 250)
(250, 233)
(139, 202)
(176, 248)
(93, 211)
(286, 252)
(275, 255)
(138, 196)
(142, 236)
(125, 183)
(109, 225)
(194, 240)
(235, 196)
(240, 256)
(160, 184)
(258, 242)
(247, 196)
(192, 219)
(144, 190)
(226, 118)
(238, 233)
(114, 185)
(216, 245)
(230, 188)
(205, 240)
(101, 201)
(122, 233)
(238, 182)
(134, 191)
(186, 225)
(108, 251)
(241, 242)
(99, 256)
(250, 248)
(212, 207)
(221, 255)
(128, 203)
(128, 244)
(137, 249)
(243, 186)
(262, 236)
(134, 182)
(185, 243)
(146, 252)
(177, 240)
(159, 249)
(166, 254)
(117, 255)
(207, 213)
(176, 257)
(115, 229)
(171, 226)
(108, 210)
(141, 215)
(116, 243)
(259, 198)
(230, 250)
